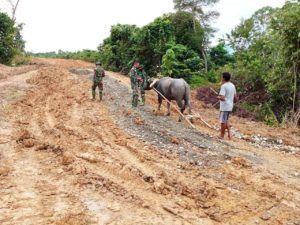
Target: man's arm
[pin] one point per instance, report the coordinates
(222, 93)
(221, 97)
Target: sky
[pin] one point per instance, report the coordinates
(73, 25)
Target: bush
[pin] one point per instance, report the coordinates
(21, 59)
(198, 81)
(86, 55)
(267, 115)
(212, 76)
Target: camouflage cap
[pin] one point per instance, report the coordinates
(98, 63)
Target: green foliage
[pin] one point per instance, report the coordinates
(7, 39)
(286, 79)
(197, 81)
(199, 9)
(153, 41)
(248, 34)
(219, 56)
(187, 30)
(212, 76)
(248, 106)
(267, 57)
(268, 116)
(12, 44)
(201, 12)
(157, 46)
(118, 49)
(128, 43)
(181, 62)
(21, 59)
(263, 112)
(86, 55)
(19, 41)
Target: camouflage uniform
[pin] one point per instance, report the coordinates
(97, 82)
(138, 79)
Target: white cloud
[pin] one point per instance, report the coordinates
(83, 24)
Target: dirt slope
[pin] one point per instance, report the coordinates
(65, 159)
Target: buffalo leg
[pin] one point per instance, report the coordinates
(188, 104)
(159, 103)
(168, 109)
(182, 108)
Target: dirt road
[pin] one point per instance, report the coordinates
(65, 159)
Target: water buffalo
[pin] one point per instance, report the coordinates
(173, 89)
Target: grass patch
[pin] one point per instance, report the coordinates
(248, 106)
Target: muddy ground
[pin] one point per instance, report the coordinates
(65, 159)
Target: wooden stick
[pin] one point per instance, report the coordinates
(207, 124)
(214, 91)
(187, 120)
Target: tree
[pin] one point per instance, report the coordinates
(118, 51)
(219, 56)
(181, 62)
(267, 56)
(152, 43)
(187, 30)
(286, 26)
(198, 9)
(250, 31)
(168, 45)
(7, 39)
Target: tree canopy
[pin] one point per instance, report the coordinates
(7, 39)
(11, 40)
(168, 40)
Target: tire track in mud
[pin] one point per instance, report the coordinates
(91, 170)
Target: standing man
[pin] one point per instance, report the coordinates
(138, 78)
(226, 96)
(98, 81)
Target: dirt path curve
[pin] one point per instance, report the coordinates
(65, 159)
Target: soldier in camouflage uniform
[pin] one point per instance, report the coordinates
(138, 79)
(97, 81)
